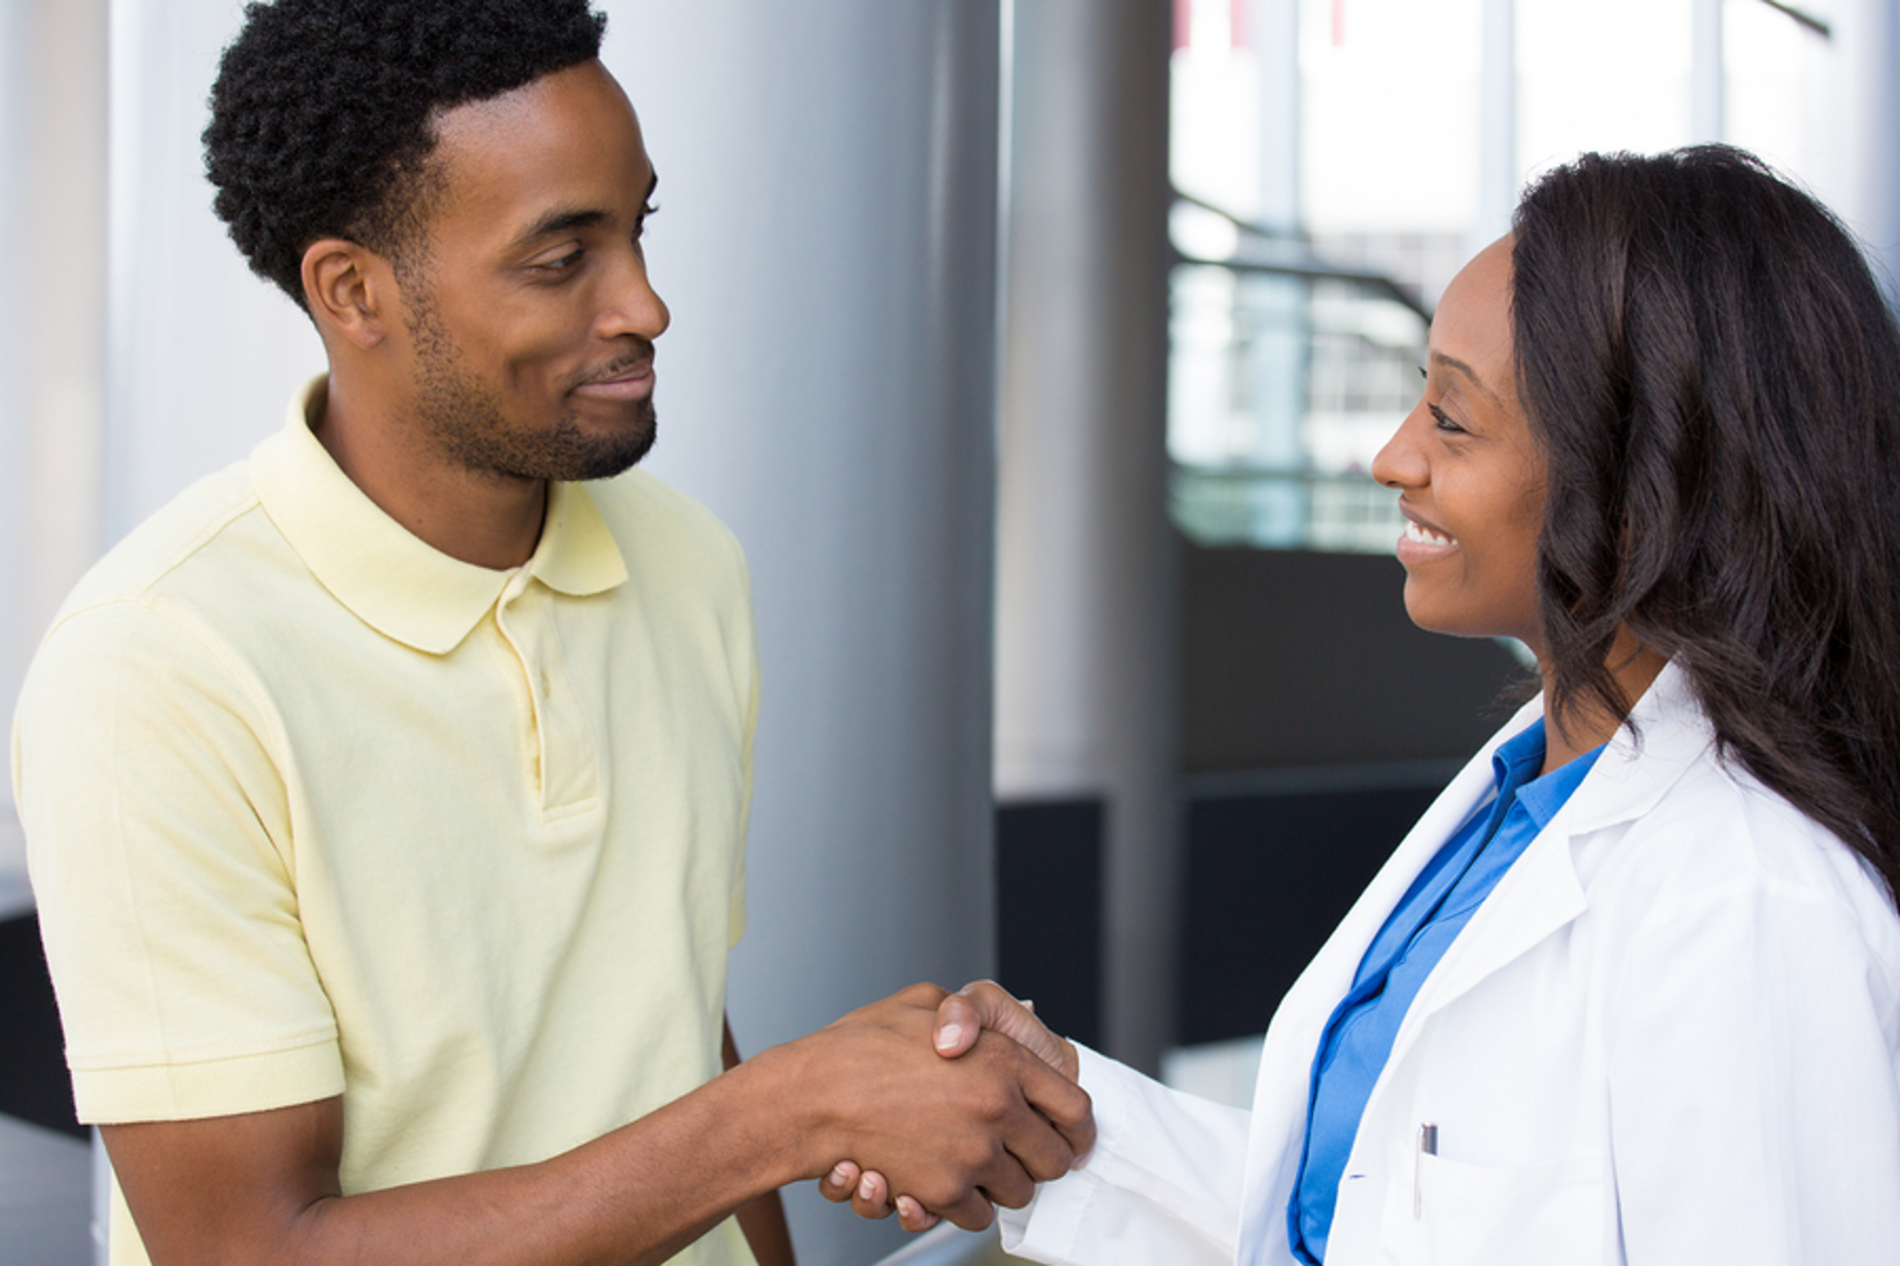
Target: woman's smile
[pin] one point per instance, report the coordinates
(1419, 542)
(1469, 473)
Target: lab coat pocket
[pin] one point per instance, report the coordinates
(1444, 1213)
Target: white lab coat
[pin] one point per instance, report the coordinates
(1671, 1035)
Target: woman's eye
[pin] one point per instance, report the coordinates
(1444, 420)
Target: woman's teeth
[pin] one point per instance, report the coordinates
(1424, 535)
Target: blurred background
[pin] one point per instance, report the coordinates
(1036, 350)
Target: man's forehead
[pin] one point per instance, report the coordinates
(567, 143)
(578, 100)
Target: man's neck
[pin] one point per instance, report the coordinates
(485, 519)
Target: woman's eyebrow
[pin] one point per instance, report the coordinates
(1452, 362)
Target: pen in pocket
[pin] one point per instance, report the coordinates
(1427, 1146)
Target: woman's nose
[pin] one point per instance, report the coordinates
(1401, 463)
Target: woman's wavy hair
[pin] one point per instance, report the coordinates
(1715, 377)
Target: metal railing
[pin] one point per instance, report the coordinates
(1286, 374)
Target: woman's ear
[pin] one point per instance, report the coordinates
(347, 288)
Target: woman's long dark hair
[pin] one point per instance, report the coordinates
(1715, 378)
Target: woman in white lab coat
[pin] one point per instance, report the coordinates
(1657, 1013)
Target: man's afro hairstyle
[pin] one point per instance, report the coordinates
(321, 113)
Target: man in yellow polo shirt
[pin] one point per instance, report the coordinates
(385, 795)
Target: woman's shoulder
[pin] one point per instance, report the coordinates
(1718, 843)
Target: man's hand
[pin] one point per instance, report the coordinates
(963, 1019)
(958, 1135)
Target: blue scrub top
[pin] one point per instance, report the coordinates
(1358, 1038)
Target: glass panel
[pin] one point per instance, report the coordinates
(1281, 390)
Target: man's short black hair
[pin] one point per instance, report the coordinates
(321, 114)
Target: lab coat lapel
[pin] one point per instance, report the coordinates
(1543, 892)
(1286, 1063)
(1538, 895)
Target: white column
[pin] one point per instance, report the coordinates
(827, 241)
(1085, 596)
(203, 354)
(15, 410)
(1851, 128)
(1277, 388)
(1274, 31)
(52, 207)
(1878, 89)
(1707, 80)
(1497, 124)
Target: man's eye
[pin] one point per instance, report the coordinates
(563, 264)
(640, 222)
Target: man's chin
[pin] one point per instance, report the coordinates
(576, 457)
(615, 462)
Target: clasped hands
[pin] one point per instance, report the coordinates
(979, 1025)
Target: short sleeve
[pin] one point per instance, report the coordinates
(159, 844)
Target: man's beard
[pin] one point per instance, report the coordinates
(465, 420)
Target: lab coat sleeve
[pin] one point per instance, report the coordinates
(1755, 1084)
(1162, 1184)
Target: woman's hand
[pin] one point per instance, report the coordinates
(984, 1004)
(961, 1019)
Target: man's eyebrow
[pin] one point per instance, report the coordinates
(563, 218)
(1452, 362)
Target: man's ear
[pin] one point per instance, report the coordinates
(350, 290)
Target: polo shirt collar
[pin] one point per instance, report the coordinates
(391, 579)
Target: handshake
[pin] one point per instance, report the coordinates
(943, 1105)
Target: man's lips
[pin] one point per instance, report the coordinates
(632, 383)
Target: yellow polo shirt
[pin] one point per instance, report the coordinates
(313, 809)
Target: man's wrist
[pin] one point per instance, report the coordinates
(775, 1089)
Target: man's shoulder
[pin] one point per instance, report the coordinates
(176, 545)
(658, 526)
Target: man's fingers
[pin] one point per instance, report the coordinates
(1067, 1107)
(1010, 1184)
(955, 1134)
(838, 1185)
(921, 994)
(1063, 1105)
(913, 1217)
(872, 1198)
(972, 1212)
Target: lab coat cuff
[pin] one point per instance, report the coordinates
(1047, 1228)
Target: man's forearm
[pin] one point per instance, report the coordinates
(263, 1186)
(230, 1191)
